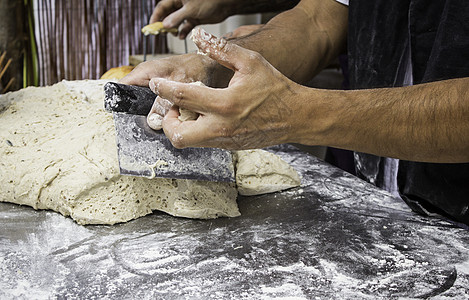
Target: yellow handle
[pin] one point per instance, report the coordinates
(157, 28)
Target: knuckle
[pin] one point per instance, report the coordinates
(227, 108)
(177, 141)
(178, 95)
(227, 131)
(255, 56)
(161, 5)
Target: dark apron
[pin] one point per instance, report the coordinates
(379, 32)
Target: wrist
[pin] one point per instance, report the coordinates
(318, 117)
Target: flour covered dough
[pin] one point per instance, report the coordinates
(59, 152)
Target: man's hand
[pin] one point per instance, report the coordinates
(183, 68)
(256, 110)
(190, 13)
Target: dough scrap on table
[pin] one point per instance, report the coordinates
(59, 152)
(261, 172)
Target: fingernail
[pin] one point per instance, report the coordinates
(154, 121)
(155, 84)
(166, 103)
(152, 85)
(166, 22)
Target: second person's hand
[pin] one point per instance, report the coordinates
(191, 13)
(183, 68)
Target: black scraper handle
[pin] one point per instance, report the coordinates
(132, 99)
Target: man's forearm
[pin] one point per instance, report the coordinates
(426, 122)
(303, 40)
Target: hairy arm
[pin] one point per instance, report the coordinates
(262, 107)
(426, 122)
(302, 41)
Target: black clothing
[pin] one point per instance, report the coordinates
(437, 32)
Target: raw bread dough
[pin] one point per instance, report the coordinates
(185, 115)
(261, 172)
(59, 152)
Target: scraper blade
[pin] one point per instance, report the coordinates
(143, 151)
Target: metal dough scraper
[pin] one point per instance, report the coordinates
(143, 151)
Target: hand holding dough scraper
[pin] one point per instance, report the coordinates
(145, 152)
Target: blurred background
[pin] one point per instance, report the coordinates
(45, 41)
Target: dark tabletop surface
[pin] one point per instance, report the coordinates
(334, 237)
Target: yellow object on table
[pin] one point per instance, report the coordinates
(117, 73)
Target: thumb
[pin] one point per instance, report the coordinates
(229, 55)
(176, 18)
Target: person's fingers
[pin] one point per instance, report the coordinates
(135, 78)
(193, 97)
(140, 75)
(227, 54)
(154, 120)
(155, 16)
(163, 9)
(171, 127)
(188, 133)
(158, 110)
(186, 28)
(175, 19)
(163, 107)
(160, 106)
